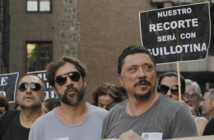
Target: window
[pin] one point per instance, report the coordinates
(39, 54)
(38, 5)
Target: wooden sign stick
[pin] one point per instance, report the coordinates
(179, 80)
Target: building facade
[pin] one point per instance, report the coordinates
(4, 35)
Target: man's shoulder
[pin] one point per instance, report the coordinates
(170, 103)
(6, 119)
(118, 110)
(13, 112)
(96, 110)
(46, 117)
(169, 107)
(10, 114)
(173, 108)
(119, 106)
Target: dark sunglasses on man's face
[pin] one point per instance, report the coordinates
(33, 86)
(164, 89)
(74, 76)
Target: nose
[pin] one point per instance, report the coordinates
(68, 81)
(141, 73)
(169, 94)
(28, 90)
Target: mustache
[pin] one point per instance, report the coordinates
(141, 81)
(71, 88)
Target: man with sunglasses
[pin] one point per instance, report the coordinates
(75, 118)
(168, 85)
(145, 110)
(15, 125)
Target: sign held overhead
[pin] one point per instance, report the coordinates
(180, 33)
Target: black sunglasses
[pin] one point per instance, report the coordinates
(74, 76)
(33, 86)
(2, 104)
(164, 89)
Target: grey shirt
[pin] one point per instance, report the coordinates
(50, 127)
(166, 115)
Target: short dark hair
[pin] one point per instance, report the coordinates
(108, 89)
(132, 50)
(174, 74)
(54, 66)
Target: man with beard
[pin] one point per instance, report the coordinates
(145, 110)
(15, 125)
(74, 118)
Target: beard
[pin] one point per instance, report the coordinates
(143, 97)
(72, 100)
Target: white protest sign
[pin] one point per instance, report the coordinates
(180, 33)
(152, 136)
(8, 84)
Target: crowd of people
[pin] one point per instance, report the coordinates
(142, 103)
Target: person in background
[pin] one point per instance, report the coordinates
(107, 94)
(193, 96)
(145, 110)
(4, 104)
(168, 85)
(207, 103)
(50, 104)
(75, 118)
(207, 106)
(16, 124)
